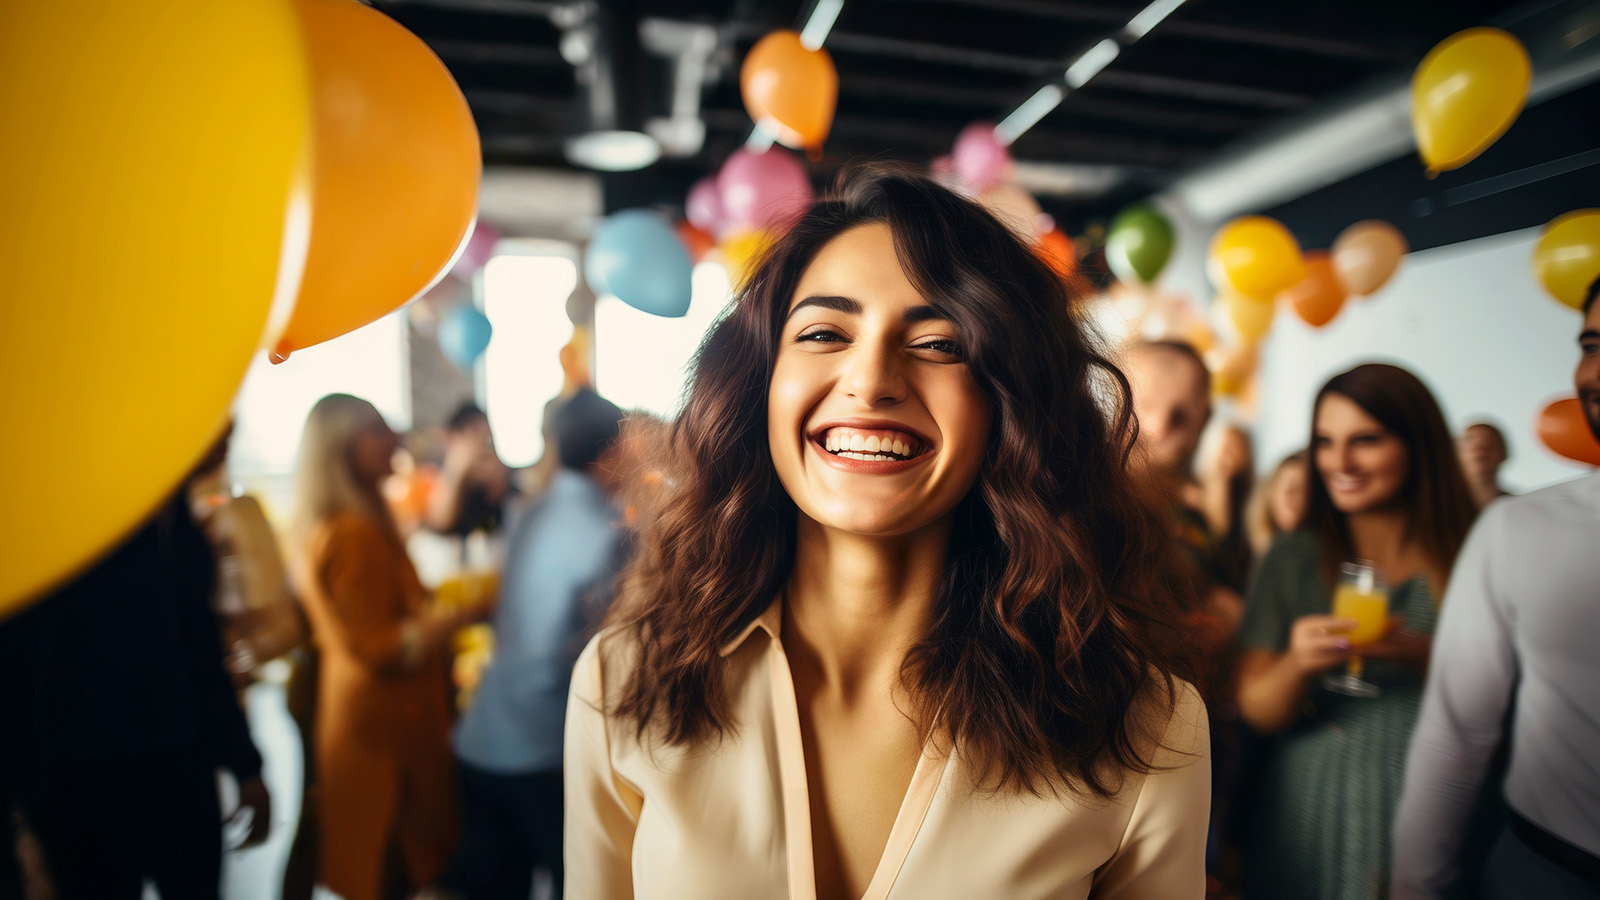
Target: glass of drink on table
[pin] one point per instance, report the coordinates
(1363, 598)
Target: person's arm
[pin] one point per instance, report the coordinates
(1162, 854)
(362, 583)
(1272, 686)
(1463, 710)
(602, 810)
(1281, 655)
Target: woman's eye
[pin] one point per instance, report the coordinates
(941, 345)
(819, 335)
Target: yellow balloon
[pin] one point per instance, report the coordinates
(1465, 94)
(1567, 258)
(154, 170)
(1251, 318)
(1255, 256)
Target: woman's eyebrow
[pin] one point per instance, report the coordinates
(828, 301)
(852, 307)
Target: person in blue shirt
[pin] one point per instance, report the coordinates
(561, 561)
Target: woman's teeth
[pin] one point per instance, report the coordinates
(870, 446)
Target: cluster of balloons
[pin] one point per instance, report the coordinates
(752, 199)
(1256, 264)
(980, 166)
(313, 163)
(792, 89)
(1465, 94)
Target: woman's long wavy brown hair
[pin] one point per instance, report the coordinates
(1056, 609)
(1435, 496)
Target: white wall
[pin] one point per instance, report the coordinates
(1469, 319)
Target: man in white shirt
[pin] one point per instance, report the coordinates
(1519, 633)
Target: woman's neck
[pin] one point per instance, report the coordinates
(1381, 536)
(855, 605)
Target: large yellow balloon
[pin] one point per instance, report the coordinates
(1465, 94)
(1567, 258)
(397, 171)
(1256, 257)
(152, 155)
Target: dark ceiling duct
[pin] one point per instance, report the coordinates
(611, 134)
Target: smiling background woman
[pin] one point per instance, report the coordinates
(896, 627)
(1385, 486)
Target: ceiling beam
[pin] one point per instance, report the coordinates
(1105, 14)
(1216, 92)
(496, 53)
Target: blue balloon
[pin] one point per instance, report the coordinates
(463, 335)
(635, 256)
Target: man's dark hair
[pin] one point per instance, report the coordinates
(1588, 298)
(465, 414)
(584, 427)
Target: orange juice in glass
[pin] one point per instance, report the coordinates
(1362, 597)
(467, 590)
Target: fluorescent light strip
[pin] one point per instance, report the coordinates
(1029, 113)
(820, 23)
(1148, 18)
(1091, 63)
(763, 136)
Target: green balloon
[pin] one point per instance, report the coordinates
(1139, 244)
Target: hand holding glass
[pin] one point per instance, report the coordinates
(1364, 599)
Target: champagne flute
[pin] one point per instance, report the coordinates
(1363, 597)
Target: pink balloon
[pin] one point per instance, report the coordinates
(979, 157)
(763, 191)
(478, 251)
(703, 208)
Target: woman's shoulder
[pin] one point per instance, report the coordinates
(1294, 547)
(604, 665)
(1168, 720)
(347, 532)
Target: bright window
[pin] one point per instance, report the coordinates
(525, 298)
(641, 360)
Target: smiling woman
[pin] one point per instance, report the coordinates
(1386, 488)
(897, 626)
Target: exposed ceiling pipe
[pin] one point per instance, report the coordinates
(1332, 141)
(612, 92)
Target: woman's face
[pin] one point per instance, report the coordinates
(372, 451)
(875, 424)
(1362, 463)
(1287, 504)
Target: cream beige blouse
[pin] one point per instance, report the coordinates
(731, 819)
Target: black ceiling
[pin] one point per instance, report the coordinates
(912, 73)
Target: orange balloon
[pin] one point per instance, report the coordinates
(1058, 252)
(1563, 428)
(397, 170)
(1318, 296)
(784, 83)
(1367, 254)
(697, 241)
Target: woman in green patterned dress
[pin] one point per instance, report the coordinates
(1385, 487)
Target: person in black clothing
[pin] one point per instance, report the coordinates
(474, 485)
(118, 711)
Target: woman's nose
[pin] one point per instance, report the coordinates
(874, 376)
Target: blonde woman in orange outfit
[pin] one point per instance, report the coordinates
(382, 725)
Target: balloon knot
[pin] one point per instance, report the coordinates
(279, 352)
